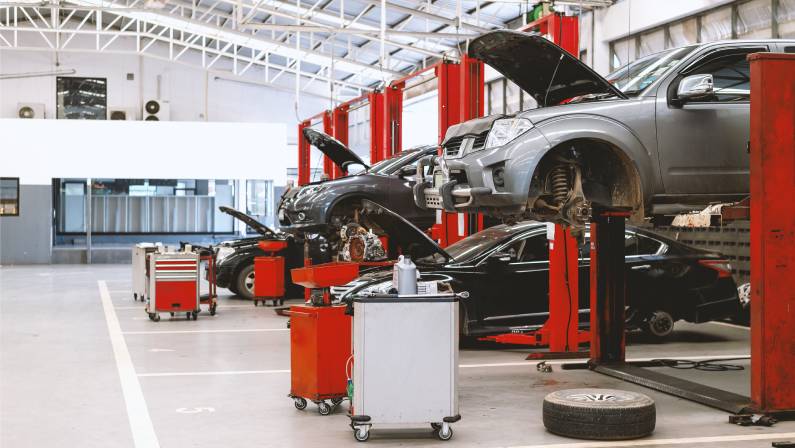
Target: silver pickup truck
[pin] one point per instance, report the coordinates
(666, 134)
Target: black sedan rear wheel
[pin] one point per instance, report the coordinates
(244, 282)
(659, 325)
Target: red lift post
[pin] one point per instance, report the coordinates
(772, 224)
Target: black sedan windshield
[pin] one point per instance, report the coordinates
(634, 77)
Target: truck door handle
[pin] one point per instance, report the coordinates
(642, 267)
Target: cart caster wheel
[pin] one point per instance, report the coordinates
(323, 408)
(336, 401)
(151, 316)
(195, 315)
(256, 303)
(172, 314)
(299, 403)
(212, 309)
(361, 435)
(156, 318)
(436, 426)
(442, 435)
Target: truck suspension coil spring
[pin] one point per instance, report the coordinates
(560, 183)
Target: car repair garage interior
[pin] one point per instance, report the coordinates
(474, 223)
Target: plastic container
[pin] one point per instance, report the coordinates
(404, 276)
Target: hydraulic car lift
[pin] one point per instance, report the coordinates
(772, 261)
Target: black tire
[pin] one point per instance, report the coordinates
(212, 309)
(300, 403)
(244, 282)
(361, 435)
(599, 414)
(323, 408)
(659, 325)
(156, 317)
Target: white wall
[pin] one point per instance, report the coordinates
(39, 150)
(631, 16)
(194, 95)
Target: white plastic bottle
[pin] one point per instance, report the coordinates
(404, 276)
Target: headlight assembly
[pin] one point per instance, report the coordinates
(505, 130)
(223, 252)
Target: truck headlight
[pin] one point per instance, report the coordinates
(505, 130)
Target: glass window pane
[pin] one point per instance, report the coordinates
(9, 196)
(512, 97)
(753, 19)
(497, 91)
(683, 33)
(81, 98)
(623, 52)
(786, 18)
(716, 25)
(652, 42)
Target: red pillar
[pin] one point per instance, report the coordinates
(340, 121)
(772, 231)
(303, 154)
(563, 290)
(393, 120)
(328, 128)
(460, 99)
(376, 100)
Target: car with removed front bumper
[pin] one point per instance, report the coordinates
(666, 134)
(505, 269)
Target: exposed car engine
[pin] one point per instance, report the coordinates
(360, 244)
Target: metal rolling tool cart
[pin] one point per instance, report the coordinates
(172, 284)
(405, 362)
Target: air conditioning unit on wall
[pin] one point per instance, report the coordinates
(121, 113)
(30, 110)
(156, 110)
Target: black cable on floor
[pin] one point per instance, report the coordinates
(708, 365)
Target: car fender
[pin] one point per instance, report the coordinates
(562, 129)
(351, 194)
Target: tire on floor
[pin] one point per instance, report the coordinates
(599, 414)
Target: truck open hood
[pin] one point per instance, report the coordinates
(411, 239)
(539, 67)
(260, 228)
(333, 149)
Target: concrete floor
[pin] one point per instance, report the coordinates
(76, 373)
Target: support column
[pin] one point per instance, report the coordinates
(772, 231)
(608, 291)
(340, 121)
(393, 120)
(328, 128)
(564, 307)
(303, 154)
(376, 100)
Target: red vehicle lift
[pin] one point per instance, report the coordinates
(772, 261)
(563, 30)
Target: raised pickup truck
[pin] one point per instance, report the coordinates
(666, 134)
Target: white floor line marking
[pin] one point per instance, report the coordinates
(662, 442)
(252, 330)
(229, 372)
(727, 324)
(528, 364)
(533, 362)
(143, 431)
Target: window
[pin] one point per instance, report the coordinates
(536, 248)
(9, 196)
(142, 206)
(81, 98)
(258, 197)
(731, 75)
(635, 244)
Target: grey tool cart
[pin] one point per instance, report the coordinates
(405, 362)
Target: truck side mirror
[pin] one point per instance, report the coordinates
(695, 87)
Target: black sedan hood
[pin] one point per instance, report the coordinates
(332, 148)
(259, 227)
(413, 240)
(539, 67)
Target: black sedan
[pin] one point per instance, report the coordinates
(506, 271)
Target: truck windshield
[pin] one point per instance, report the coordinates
(636, 76)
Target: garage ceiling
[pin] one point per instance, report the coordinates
(343, 46)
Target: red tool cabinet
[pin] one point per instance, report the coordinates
(320, 347)
(172, 284)
(268, 279)
(269, 273)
